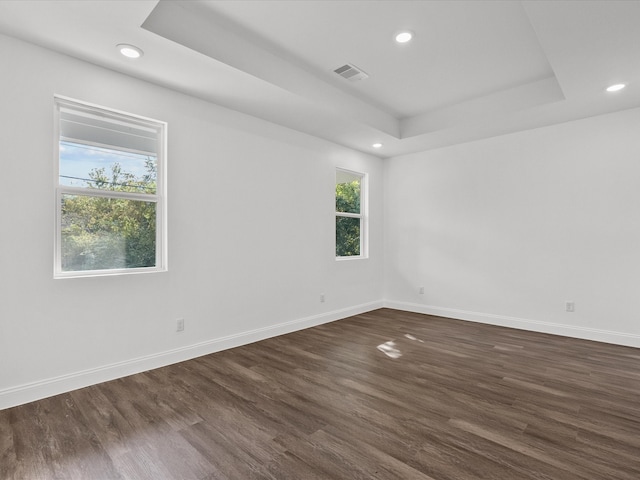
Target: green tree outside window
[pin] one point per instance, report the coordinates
(349, 214)
(105, 233)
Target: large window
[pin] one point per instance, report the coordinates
(110, 192)
(351, 219)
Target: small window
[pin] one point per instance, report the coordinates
(110, 186)
(351, 220)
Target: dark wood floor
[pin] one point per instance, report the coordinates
(446, 400)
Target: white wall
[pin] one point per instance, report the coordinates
(506, 230)
(251, 235)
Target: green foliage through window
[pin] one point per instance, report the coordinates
(111, 202)
(348, 197)
(349, 216)
(109, 233)
(347, 236)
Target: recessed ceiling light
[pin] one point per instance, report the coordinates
(616, 87)
(377, 145)
(404, 37)
(130, 51)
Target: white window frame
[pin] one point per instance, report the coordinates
(363, 215)
(159, 198)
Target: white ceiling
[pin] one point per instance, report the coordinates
(475, 69)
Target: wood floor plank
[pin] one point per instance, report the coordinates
(383, 395)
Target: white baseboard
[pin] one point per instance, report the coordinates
(606, 336)
(18, 395)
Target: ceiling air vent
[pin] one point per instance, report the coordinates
(351, 72)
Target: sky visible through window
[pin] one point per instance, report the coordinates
(78, 160)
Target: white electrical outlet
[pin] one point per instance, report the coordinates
(322, 298)
(570, 307)
(180, 325)
(421, 291)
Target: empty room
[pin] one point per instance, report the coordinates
(320, 240)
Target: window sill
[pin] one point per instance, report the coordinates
(354, 257)
(107, 273)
